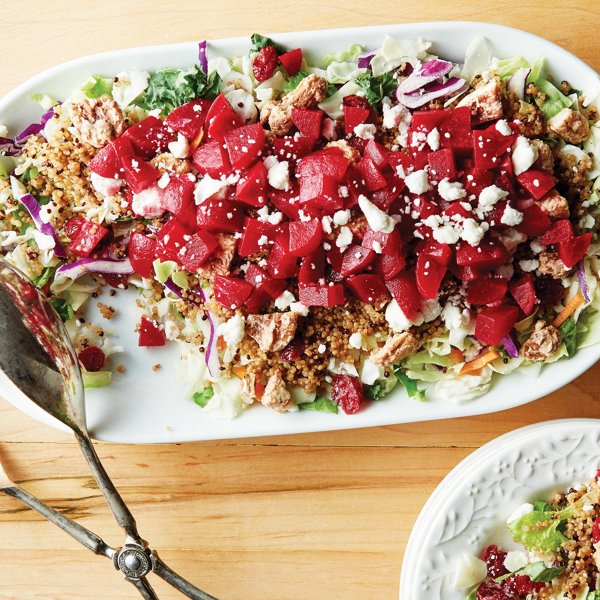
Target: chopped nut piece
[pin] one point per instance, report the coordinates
(352, 154)
(220, 262)
(545, 159)
(167, 163)
(542, 343)
(248, 391)
(551, 264)
(570, 125)
(396, 347)
(276, 395)
(97, 120)
(272, 332)
(555, 205)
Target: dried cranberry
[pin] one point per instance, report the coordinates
(549, 291)
(354, 100)
(293, 351)
(116, 281)
(347, 392)
(92, 359)
(493, 591)
(525, 586)
(596, 531)
(597, 478)
(494, 559)
(265, 63)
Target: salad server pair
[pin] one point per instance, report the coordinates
(37, 356)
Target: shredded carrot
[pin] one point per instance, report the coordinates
(456, 356)
(573, 304)
(197, 140)
(221, 344)
(240, 371)
(480, 362)
(259, 389)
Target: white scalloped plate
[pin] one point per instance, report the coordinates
(143, 406)
(470, 506)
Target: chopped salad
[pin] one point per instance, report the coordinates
(314, 235)
(558, 555)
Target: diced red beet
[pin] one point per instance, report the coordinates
(308, 121)
(189, 118)
(441, 164)
(322, 192)
(92, 358)
(559, 232)
(87, 236)
(106, 163)
(377, 153)
(280, 263)
(456, 208)
(312, 268)
(356, 259)
(231, 292)
(368, 288)
(220, 216)
(538, 183)
(347, 392)
(489, 145)
(305, 237)
(325, 162)
(493, 324)
(291, 61)
(151, 334)
(523, 291)
(455, 130)
(489, 254)
(573, 250)
(211, 159)
(244, 145)
(389, 266)
(429, 274)
(440, 252)
(256, 236)
(322, 295)
(197, 251)
(535, 221)
(171, 238)
(490, 590)
(221, 118)
(178, 199)
(149, 136)
(391, 243)
(486, 291)
(141, 251)
(372, 176)
(292, 148)
(406, 293)
(494, 559)
(466, 273)
(287, 202)
(138, 173)
(353, 116)
(596, 531)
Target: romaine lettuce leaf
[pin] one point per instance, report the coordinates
(320, 404)
(350, 55)
(539, 529)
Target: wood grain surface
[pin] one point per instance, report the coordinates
(323, 515)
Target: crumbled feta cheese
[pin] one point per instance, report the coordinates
(284, 301)
(341, 217)
(208, 187)
(377, 219)
(365, 131)
(344, 238)
(489, 196)
(512, 238)
(370, 372)
(164, 180)
(148, 202)
(171, 330)
(396, 318)
(417, 182)
(263, 240)
(523, 155)
(356, 340)
(278, 173)
(529, 265)
(433, 139)
(377, 247)
(180, 147)
(472, 232)
(392, 115)
(275, 218)
(511, 216)
(503, 127)
(329, 129)
(107, 186)
(451, 190)
(299, 308)
(263, 214)
(457, 322)
(232, 330)
(43, 241)
(446, 234)
(326, 224)
(430, 310)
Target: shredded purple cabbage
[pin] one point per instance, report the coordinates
(430, 92)
(510, 346)
(364, 60)
(35, 128)
(9, 147)
(427, 72)
(33, 208)
(202, 59)
(104, 266)
(585, 290)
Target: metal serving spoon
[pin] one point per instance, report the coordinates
(36, 354)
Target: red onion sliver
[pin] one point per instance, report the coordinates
(427, 72)
(9, 147)
(33, 208)
(585, 290)
(364, 60)
(104, 266)
(35, 128)
(430, 92)
(510, 346)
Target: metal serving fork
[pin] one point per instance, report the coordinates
(37, 356)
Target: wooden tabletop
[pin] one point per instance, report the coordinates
(323, 515)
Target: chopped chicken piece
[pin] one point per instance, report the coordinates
(545, 159)
(485, 102)
(570, 125)
(272, 332)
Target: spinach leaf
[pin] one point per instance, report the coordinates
(170, 88)
(63, 308)
(202, 398)
(539, 572)
(41, 280)
(409, 384)
(568, 331)
(381, 388)
(377, 88)
(320, 404)
(260, 41)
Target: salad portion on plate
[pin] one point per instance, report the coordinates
(558, 555)
(314, 235)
